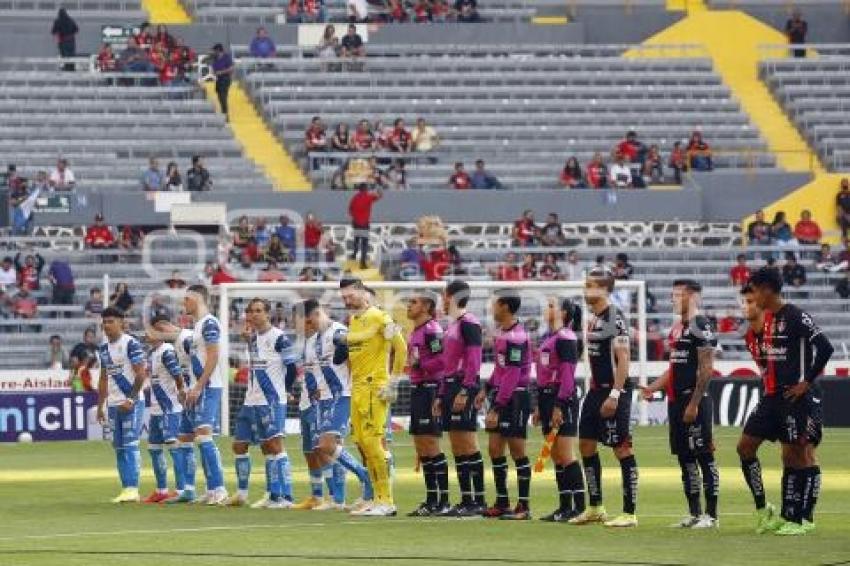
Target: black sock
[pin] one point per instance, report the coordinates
(565, 497)
(629, 470)
(790, 491)
(475, 465)
(500, 478)
(430, 480)
(575, 483)
(523, 480)
(690, 483)
(752, 475)
(808, 484)
(463, 479)
(441, 473)
(710, 482)
(809, 511)
(593, 474)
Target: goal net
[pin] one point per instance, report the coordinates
(391, 296)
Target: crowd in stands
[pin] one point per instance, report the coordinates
(480, 178)
(197, 177)
(779, 232)
(368, 137)
(386, 11)
(151, 52)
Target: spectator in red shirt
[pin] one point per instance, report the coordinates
(727, 324)
(436, 264)
(507, 271)
(183, 56)
(29, 272)
(163, 39)
(221, 276)
(807, 230)
(362, 139)
(360, 211)
(460, 179)
(678, 162)
(571, 177)
(630, 148)
(699, 153)
(106, 59)
(271, 273)
(99, 236)
(315, 138)
(24, 305)
(400, 139)
(312, 237)
(597, 172)
(382, 136)
(740, 273)
(144, 39)
(526, 231)
(528, 271)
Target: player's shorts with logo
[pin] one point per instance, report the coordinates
(422, 419)
(467, 419)
(513, 418)
(126, 425)
(163, 429)
(207, 410)
(259, 423)
(696, 437)
(789, 422)
(335, 416)
(547, 400)
(614, 431)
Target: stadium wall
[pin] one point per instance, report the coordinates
(828, 23)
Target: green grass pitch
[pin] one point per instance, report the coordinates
(54, 510)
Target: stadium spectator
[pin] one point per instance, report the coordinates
(653, 167)
(341, 140)
(262, 233)
(770, 263)
(507, 270)
(163, 39)
(571, 177)
(287, 234)
(41, 182)
(758, 231)
(397, 175)
(439, 11)
(825, 259)
(630, 148)
(144, 38)
(24, 304)
(357, 10)
(99, 236)
(382, 136)
(106, 62)
(222, 66)
(56, 356)
(198, 177)
(220, 275)
(421, 11)
(843, 263)
(262, 46)
(622, 269)
(315, 138)
(807, 231)
(483, 179)
(62, 177)
(740, 272)
(84, 362)
(121, 298)
(467, 11)
(328, 47)
(780, 231)
(152, 179)
(29, 271)
(157, 307)
(528, 270)
(134, 58)
(183, 56)
(549, 270)
(621, 174)
(460, 179)
(843, 286)
(5, 304)
(411, 259)
(400, 139)
(8, 273)
(796, 29)
(62, 279)
(678, 162)
(396, 12)
(362, 139)
(699, 153)
(842, 207)
(793, 272)
(175, 281)
(22, 203)
(360, 211)
(244, 231)
(94, 306)
(597, 172)
(424, 136)
(65, 32)
(352, 45)
(172, 181)
(552, 234)
(526, 232)
(130, 237)
(377, 177)
(313, 231)
(276, 251)
(251, 250)
(574, 269)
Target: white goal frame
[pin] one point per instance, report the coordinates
(228, 291)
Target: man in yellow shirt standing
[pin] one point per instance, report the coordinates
(372, 335)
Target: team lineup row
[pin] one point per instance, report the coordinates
(349, 376)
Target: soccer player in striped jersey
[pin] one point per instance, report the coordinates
(166, 412)
(262, 418)
(122, 375)
(689, 408)
(204, 397)
(427, 364)
(181, 339)
(558, 405)
(328, 386)
(462, 397)
(509, 408)
(795, 353)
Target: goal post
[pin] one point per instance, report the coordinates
(535, 296)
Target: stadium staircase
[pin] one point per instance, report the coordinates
(166, 12)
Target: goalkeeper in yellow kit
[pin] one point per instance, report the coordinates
(372, 335)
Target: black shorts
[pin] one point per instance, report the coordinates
(465, 421)
(547, 398)
(422, 419)
(513, 419)
(776, 418)
(694, 438)
(610, 432)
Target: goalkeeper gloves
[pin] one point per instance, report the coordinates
(389, 391)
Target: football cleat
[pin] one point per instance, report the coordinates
(359, 505)
(767, 520)
(378, 510)
(217, 497)
(329, 505)
(496, 511)
(127, 495)
(236, 501)
(310, 503)
(262, 503)
(593, 514)
(791, 529)
(280, 504)
(185, 496)
(625, 520)
(686, 523)
(424, 510)
(706, 522)
(520, 513)
(809, 526)
(156, 497)
(559, 516)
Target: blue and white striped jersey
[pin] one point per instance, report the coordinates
(165, 370)
(117, 360)
(183, 348)
(207, 331)
(327, 363)
(272, 357)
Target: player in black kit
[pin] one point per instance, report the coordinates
(692, 342)
(606, 412)
(794, 352)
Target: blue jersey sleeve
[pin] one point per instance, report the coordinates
(211, 331)
(284, 347)
(169, 360)
(310, 383)
(135, 352)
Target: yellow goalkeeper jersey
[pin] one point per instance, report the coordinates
(371, 336)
